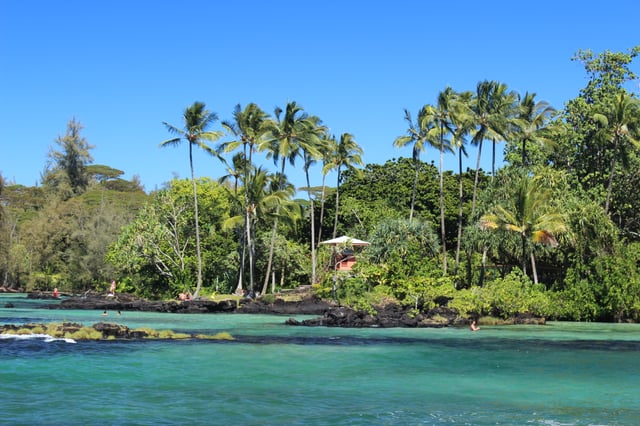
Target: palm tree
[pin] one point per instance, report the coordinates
(196, 121)
(249, 128)
(330, 148)
(348, 155)
(461, 120)
(531, 123)
(419, 135)
(491, 107)
(531, 215)
(286, 137)
(442, 118)
(619, 126)
(313, 150)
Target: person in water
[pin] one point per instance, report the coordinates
(104, 314)
(474, 326)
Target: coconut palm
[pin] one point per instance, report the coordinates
(461, 120)
(531, 215)
(196, 121)
(330, 147)
(313, 150)
(287, 136)
(348, 155)
(618, 125)
(531, 123)
(249, 128)
(419, 134)
(492, 106)
(441, 116)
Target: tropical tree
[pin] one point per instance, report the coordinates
(312, 151)
(491, 108)
(618, 125)
(249, 128)
(348, 155)
(286, 136)
(442, 117)
(530, 125)
(420, 135)
(197, 120)
(529, 214)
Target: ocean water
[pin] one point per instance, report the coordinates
(273, 374)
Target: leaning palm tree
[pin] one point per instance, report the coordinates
(348, 155)
(249, 128)
(619, 125)
(418, 134)
(531, 215)
(286, 136)
(196, 121)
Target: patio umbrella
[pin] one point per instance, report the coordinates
(346, 240)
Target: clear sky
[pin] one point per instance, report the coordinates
(122, 67)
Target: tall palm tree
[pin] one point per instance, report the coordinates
(492, 106)
(286, 137)
(441, 116)
(461, 120)
(330, 148)
(312, 150)
(347, 156)
(419, 134)
(619, 125)
(196, 121)
(531, 123)
(249, 128)
(531, 215)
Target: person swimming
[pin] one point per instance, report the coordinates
(473, 326)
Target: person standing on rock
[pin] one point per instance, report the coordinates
(112, 289)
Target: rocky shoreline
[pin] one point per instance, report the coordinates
(329, 314)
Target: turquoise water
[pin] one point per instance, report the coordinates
(273, 374)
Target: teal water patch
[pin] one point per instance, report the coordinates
(273, 374)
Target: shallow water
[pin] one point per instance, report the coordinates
(559, 374)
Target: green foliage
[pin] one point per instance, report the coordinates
(516, 294)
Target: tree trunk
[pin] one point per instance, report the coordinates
(534, 270)
(442, 224)
(335, 222)
(197, 226)
(415, 189)
(611, 173)
(475, 181)
(460, 195)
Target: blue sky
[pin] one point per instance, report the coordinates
(122, 67)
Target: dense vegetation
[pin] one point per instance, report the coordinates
(553, 232)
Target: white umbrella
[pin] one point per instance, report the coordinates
(346, 240)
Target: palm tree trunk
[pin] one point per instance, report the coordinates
(335, 222)
(265, 285)
(493, 159)
(313, 230)
(460, 195)
(195, 209)
(322, 201)
(611, 173)
(475, 181)
(534, 270)
(524, 254)
(415, 189)
(442, 224)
